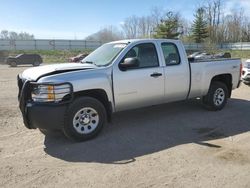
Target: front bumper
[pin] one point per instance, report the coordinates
(48, 116)
(45, 116)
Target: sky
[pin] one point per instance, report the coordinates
(76, 19)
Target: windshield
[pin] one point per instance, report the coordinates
(19, 55)
(105, 54)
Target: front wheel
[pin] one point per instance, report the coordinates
(216, 97)
(13, 64)
(85, 119)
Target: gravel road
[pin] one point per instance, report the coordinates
(172, 145)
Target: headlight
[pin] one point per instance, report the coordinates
(246, 65)
(51, 93)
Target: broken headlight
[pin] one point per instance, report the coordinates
(51, 92)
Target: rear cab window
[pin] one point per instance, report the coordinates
(171, 53)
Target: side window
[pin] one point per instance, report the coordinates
(146, 55)
(171, 54)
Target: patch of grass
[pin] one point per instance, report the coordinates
(244, 54)
(51, 56)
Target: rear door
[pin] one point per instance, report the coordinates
(25, 59)
(141, 86)
(177, 72)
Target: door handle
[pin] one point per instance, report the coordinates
(156, 74)
(234, 67)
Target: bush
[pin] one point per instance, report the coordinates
(3, 56)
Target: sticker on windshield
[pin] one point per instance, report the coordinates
(119, 46)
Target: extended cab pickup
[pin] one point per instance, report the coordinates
(78, 98)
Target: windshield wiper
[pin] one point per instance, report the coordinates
(89, 62)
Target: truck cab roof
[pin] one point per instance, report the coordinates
(127, 41)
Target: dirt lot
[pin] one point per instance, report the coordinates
(173, 145)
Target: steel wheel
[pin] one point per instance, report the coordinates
(216, 97)
(13, 64)
(86, 120)
(219, 97)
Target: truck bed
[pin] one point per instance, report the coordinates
(202, 72)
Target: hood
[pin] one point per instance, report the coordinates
(10, 58)
(37, 72)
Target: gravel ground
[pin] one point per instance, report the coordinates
(172, 145)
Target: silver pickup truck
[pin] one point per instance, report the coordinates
(79, 98)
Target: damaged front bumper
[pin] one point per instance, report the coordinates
(49, 116)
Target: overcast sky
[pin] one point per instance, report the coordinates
(61, 19)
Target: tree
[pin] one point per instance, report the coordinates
(157, 13)
(107, 34)
(213, 15)
(138, 27)
(144, 26)
(246, 32)
(25, 36)
(130, 27)
(4, 34)
(11, 35)
(170, 27)
(199, 27)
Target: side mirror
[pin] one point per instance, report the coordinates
(128, 63)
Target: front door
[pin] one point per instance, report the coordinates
(140, 86)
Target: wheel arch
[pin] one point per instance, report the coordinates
(226, 79)
(100, 95)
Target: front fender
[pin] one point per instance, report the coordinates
(85, 80)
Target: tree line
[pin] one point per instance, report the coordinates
(211, 24)
(12, 35)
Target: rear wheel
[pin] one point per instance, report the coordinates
(35, 64)
(85, 119)
(217, 96)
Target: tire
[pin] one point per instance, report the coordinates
(35, 64)
(13, 64)
(216, 97)
(84, 119)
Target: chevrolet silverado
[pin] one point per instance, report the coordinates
(79, 98)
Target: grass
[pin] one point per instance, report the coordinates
(244, 54)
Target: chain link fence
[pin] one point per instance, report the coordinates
(83, 44)
(48, 44)
(9, 46)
